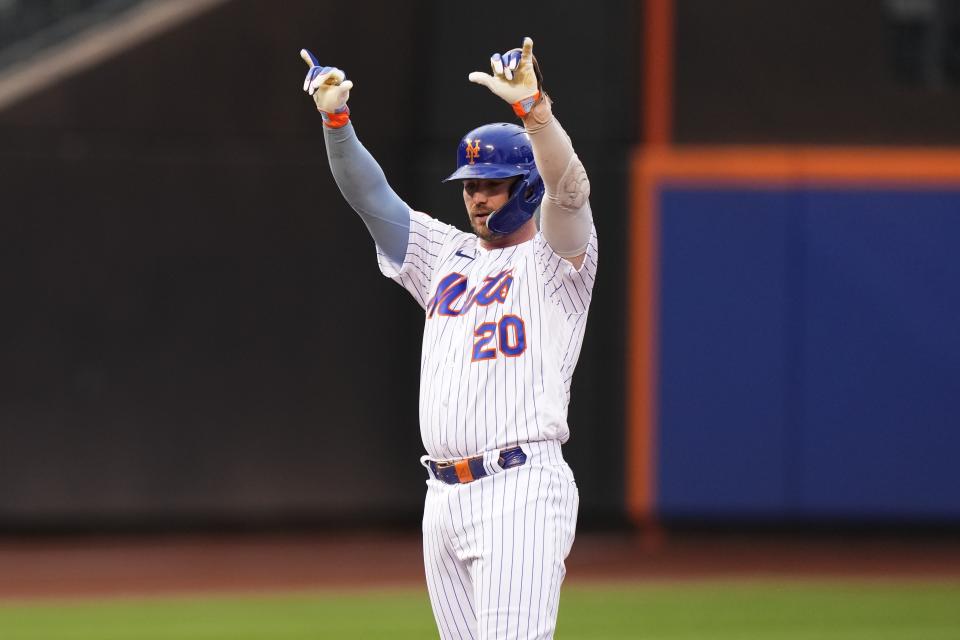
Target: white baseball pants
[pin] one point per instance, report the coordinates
(494, 548)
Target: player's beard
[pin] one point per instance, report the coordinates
(479, 225)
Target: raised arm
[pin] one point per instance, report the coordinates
(565, 216)
(359, 177)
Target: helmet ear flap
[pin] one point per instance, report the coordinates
(533, 191)
(525, 196)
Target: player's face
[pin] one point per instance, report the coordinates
(483, 197)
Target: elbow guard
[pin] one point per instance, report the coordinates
(566, 218)
(574, 188)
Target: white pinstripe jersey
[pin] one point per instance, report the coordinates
(502, 335)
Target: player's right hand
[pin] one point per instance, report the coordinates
(328, 86)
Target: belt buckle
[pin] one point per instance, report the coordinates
(512, 457)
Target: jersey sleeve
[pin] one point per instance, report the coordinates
(426, 241)
(566, 286)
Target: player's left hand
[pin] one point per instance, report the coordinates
(516, 78)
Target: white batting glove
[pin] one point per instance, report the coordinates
(330, 90)
(516, 78)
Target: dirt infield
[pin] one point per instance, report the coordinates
(147, 565)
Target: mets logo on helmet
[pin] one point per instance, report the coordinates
(473, 151)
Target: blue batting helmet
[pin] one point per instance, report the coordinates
(502, 150)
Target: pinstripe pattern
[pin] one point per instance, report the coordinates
(468, 407)
(502, 334)
(494, 549)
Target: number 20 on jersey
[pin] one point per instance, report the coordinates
(508, 336)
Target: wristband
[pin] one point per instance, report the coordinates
(523, 107)
(336, 120)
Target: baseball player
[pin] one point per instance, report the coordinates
(505, 308)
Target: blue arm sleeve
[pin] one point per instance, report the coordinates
(363, 184)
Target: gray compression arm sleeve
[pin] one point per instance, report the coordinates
(363, 184)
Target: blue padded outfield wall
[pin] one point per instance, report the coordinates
(809, 353)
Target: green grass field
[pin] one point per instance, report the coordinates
(676, 611)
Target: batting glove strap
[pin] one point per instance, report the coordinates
(523, 107)
(337, 119)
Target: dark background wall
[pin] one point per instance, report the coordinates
(195, 330)
(817, 72)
